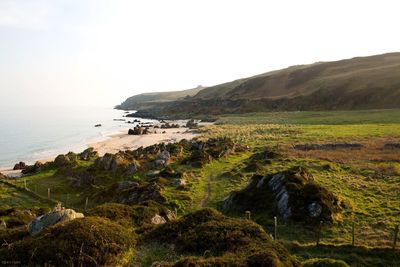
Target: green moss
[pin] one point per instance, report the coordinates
(89, 241)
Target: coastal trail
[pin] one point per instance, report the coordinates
(207, 195)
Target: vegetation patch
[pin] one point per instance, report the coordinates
(90, 241)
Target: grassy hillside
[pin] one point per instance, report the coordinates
(352, 84)
(148, 100)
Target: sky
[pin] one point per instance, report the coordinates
(99, 52)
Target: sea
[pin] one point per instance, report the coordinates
(33, 133)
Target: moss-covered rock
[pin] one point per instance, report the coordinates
(291, 194)
(90, 241)
(217, 240)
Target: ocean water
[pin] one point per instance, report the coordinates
(29, 134)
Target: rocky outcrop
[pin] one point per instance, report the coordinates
(136, 194)
(20, 166)
(292, 194)
(33, 169)
(138, 130)
(88, 154)
(52, 218)
(65, 160)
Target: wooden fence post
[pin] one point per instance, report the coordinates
(86, 203)
(48, 192)
(275, 227)
(396, 232)
(25, 184)
(352, 234)
(319, 232)
(247, 215)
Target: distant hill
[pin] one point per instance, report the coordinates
(148, 100)
(359, 83)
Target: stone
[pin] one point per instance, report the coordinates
(132, 168)
(314, 209)
(20, 166)
(88, 154)
(157, 219)
(61, 161)
(37, 167)
(52, 218)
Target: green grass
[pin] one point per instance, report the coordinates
(315, 117)
(11, 197)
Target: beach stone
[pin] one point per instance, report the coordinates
(52, 218)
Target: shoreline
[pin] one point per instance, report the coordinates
(120, 141)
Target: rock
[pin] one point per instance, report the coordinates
(20, 166)
(104, 163)
(164, 155)
(65, 160)
(3, 225)
(140, 194)
(97, 125)
(52, 218)
(132, 168)
(157, 219)
(293, 193)
(29, 170)
(138, 130)
(314, 210)
(191, 124)
(88, 154)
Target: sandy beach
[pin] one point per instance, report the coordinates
(123, 141)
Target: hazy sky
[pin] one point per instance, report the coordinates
(74, 52)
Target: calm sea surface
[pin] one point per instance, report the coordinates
(28, 134)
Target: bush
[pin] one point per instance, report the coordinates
(89, 241)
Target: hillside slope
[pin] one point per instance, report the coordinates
(148, 100)
(359, 83)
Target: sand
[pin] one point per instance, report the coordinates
(123, 141)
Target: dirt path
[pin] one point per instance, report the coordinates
(204, 201)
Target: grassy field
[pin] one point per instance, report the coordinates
(366, 180)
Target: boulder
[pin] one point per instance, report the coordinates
(32, 169)
(62, 161)
(52, 218)
(292, 193)
(20, 166)
(88, 153)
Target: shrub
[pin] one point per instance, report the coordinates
(324, 263)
